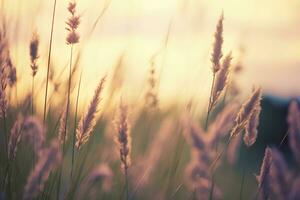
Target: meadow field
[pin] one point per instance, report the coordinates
(174, 99)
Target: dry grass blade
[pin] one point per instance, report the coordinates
(123, 140)
(221, 80)
(251, 127)
(217, 46)
(34, 52)
(246, 111)
(15, 137)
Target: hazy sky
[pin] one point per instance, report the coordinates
(267, 29)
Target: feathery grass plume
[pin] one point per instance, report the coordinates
(123, 138)
(12, 72)
(34, 52)
(151, 98)
(4, 52)
(223, 123)
(263, 179)
(3, 44)
(3, 98)
(215, 59)
(15, 137)
(294, 129)
(221, 80)
(34, 132)
(280, 176)
(62, 132)
(72, 24)
(8, 70)
(49, 159)
(295, 192)
(217, 46)
(251, 127)
(34, 55)
(233, 150)
(246, 111)
(88, 121)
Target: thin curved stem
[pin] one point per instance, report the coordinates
(48, 62)
(66, 121)
(74, 131)
(209, 102)
(32, 96)
(206, 126)
(126, 184)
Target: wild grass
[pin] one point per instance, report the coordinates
(136, 150)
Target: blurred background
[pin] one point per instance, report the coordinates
(177, 36)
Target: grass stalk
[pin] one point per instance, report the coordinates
(213, 175)
(49, 59)
(32, 96)
(75, 123)
(66, 122)
(206, 126)
(209, 102)
(32, 112)
(126, 184)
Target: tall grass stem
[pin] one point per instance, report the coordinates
(49, 59)
(75, 124)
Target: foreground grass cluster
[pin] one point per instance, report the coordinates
(134, 152)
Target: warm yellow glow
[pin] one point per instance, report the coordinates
(268, 30)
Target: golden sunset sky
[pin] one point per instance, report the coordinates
(268, 30)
